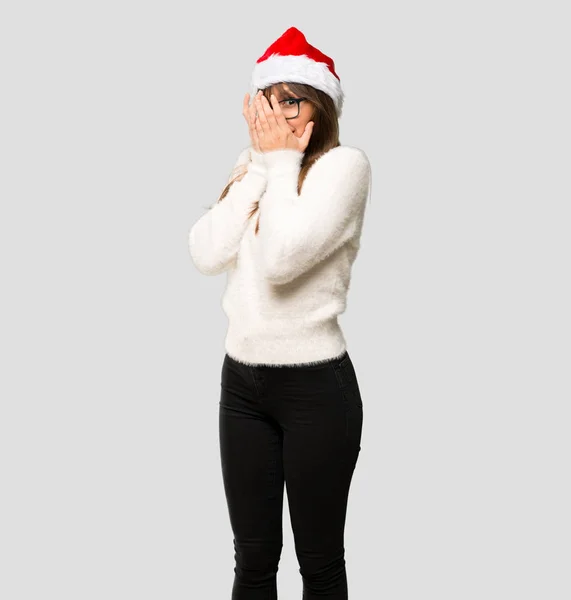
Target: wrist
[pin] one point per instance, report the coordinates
(257, 164)
(283, 161)
(283, 167)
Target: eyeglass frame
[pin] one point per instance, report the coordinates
(297, 101)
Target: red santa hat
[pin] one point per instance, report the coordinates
(292, 58)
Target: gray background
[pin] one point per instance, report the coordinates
(120, 122)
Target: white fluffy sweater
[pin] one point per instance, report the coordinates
(288, 283)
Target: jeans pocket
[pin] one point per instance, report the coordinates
(345, 371)
(347, 382)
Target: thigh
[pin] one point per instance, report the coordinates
(251, 459)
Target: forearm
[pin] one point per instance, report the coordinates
(278, 233)
(215, 238)
(298, 231)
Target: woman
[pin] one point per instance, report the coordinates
(286, 229)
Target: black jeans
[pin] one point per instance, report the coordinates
(298, 425)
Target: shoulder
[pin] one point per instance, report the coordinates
(348, 151)
(343, 160)
(353, 153)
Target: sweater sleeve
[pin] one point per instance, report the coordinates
(215, 237)
(298, 231)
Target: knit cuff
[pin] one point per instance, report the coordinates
(283, 172)
(283, 161)
(257, 164)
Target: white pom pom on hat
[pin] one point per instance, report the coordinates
(292, 58)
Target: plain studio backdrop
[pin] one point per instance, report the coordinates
(119, 125)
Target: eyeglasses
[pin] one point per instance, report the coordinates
(290, 107)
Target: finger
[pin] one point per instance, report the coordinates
(255, 140)
(251, 129)
(249, 113)
(253, 112)
(258, 127)
(245, 107)
(258, 139)
(253, 125)
(279, 116)
(306, 135)
(269, 112)
(262, 116)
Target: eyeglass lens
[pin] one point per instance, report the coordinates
(290, 108)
